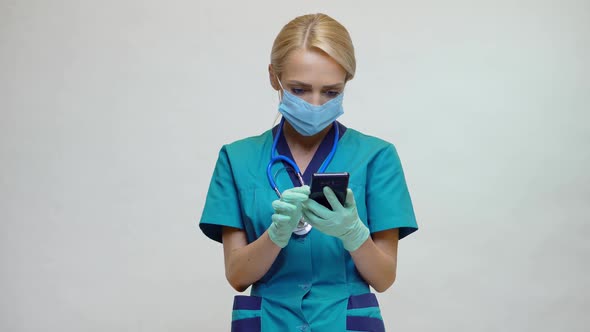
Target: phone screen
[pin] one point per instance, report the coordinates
(338, 182)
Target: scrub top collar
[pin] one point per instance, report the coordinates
(316, 162)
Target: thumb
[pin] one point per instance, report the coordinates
(350, 202)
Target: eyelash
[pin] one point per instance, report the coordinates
(330, 93)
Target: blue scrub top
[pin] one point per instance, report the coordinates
(313, 283)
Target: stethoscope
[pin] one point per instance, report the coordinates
(303, 227)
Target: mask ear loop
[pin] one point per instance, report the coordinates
(279, 91)
(280, 95)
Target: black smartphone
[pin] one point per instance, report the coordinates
(338, 182)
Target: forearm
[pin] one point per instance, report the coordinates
(244, 265)
(375, 266)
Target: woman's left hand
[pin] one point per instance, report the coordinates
(342, 221)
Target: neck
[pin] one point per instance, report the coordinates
(296, 140)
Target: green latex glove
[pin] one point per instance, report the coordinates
(342, 222)
(288, 212)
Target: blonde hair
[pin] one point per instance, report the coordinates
(318, 31)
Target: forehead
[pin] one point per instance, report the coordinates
(313, 67)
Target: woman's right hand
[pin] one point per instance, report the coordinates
(288, 212)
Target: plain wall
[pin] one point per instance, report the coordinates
(113, 112)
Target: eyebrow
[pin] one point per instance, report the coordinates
(331, 86)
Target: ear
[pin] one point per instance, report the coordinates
(273, 78)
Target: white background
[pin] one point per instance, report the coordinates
(113, 112)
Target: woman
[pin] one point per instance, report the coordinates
(314, 278)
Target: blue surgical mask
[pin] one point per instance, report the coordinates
(306, 118)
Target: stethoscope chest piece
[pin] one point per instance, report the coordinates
(303, 229)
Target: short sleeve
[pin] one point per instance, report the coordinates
(222, 206)
(389, 205)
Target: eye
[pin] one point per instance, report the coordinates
(332, 93)
(297, 91)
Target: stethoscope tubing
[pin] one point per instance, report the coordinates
(274, 158)
(302, 227)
